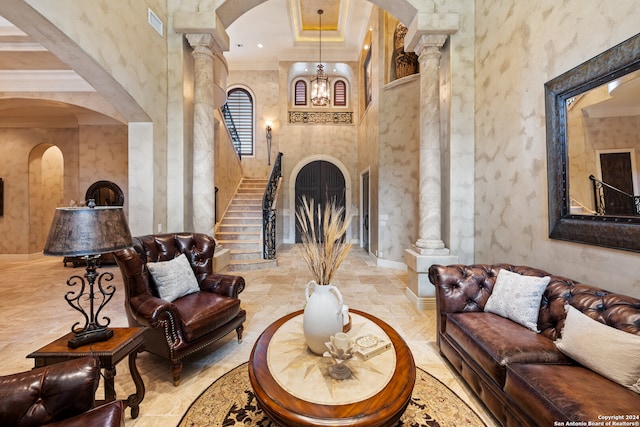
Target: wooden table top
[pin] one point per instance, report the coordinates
(124, 340)
(383, 408)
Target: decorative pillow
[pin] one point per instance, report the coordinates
(606, 350)
(174, 278)
(517, 297)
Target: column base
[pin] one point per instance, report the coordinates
(221, 258)
(419, 288)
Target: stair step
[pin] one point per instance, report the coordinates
(261, 264)
(240, 244)
(236, 220)
(245, 208)
(247, 254)
(235, 235)
(240, 228)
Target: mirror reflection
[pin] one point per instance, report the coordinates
(105, 193)
(603, 135)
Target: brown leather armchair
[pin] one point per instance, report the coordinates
(61, 394)
(189, 323)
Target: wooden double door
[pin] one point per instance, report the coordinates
(321, 181)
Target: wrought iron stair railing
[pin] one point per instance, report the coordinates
(228, 118)
(269, 203)
(599, 192)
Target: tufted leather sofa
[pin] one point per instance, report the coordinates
(61, 394)
(192, 322)
(520, 375)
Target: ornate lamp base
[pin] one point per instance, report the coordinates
(86, 337)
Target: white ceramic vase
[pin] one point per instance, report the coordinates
(322, 315)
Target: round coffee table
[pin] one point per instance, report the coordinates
(289, 358)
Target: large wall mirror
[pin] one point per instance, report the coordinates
(593, 150)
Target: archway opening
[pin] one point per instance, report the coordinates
(323, 182)
(46, 184)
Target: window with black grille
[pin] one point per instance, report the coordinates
(240, 105)
(301, 92)
(340, 93)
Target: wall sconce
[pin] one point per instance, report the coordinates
(268, 142)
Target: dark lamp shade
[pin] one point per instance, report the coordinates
(87, 231)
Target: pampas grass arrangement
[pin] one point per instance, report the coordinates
(323, 252)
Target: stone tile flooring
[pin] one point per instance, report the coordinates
(33, 312)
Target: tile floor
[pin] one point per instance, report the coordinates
(33, 312)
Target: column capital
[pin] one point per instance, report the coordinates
(430, 24)
(430, 44)
(202, 23)
(203, 43)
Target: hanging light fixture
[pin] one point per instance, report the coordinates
(320, 87)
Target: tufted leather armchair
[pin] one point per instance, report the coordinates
(190, 323)
(61, 394)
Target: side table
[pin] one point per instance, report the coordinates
(125, 342)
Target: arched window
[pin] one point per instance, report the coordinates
(340, 93)
(240, 105)
(300, 89)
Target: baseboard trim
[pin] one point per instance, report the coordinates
(421, 303)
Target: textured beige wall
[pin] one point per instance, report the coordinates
(117, 36)
(299, 143)
(32, 186)
(228, 168)
(368, 131)
(520, 46)
(103, 157)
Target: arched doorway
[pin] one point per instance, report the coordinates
(321, 181)
(46, 176)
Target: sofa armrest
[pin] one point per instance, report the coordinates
(50, 393)
(462, 288)
(149, 310)
(108, 415)
(223, 284)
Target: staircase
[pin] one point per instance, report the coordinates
(240, 229)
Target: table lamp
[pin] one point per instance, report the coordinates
(88, 232)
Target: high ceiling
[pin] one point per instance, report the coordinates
(284, 29)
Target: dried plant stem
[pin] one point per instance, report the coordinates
(323, 253)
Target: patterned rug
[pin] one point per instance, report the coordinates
(230, 401)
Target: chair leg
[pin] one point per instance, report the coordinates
(239, 331)
(176, 368)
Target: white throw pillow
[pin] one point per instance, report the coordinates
(517, 297)
(174, 278)
(606, 350)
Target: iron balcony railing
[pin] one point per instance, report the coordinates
(630, 203)
(269, 202)
(228, 118)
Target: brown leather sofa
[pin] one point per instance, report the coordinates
(61, 394)
(192, 322)
(520, 375)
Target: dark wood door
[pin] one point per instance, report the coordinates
(365, 211)
(616, 172)
(321, 181)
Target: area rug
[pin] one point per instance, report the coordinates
(230, 401)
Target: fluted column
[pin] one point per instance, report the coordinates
(430, 194)
(203, 134)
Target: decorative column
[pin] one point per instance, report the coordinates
(204, 207)
(429, 248)
(430, 195)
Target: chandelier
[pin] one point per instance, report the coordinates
(320, 87)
